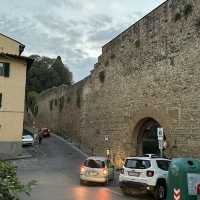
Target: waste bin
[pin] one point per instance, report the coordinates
(184, 179)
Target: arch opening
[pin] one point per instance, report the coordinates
(147, 141)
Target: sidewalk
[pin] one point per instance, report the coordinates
(23, 155)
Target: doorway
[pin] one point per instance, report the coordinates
(147, 141)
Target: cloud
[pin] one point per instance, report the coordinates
(74, 29)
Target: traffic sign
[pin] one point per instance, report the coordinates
(106, 138)
(160, 133)
(177, 194)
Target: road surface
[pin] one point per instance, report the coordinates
(55, 167)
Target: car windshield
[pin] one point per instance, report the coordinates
(27, 136)
(137, 164)
(163, 164)
(95, 163)
(26, 132)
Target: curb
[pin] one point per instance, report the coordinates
(17, 158)
(70, 144)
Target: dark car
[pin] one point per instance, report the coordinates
(44, 132)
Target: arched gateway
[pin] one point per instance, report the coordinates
(147, 141)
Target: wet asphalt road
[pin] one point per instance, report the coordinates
(55, 167)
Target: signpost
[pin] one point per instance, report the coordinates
(160, 135)
(106, 138)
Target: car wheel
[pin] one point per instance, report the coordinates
(160, 191)
(82, 182)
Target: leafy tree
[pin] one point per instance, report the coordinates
(31, 100)
(64, 76)
(46, 73)
(10, 186)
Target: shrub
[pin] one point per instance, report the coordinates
(112, 56)
(137, 43)
(187, 10)
(78, 99)
(51, 105)
(177, 16)
(197, 23)
(102, 76)
(10, 186)
(61, 103)
(35, 112)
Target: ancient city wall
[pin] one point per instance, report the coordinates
(150, 71)
(59, 110)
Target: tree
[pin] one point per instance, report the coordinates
(46, 73)
(62, 72)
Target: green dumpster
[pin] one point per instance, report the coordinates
(184, 179)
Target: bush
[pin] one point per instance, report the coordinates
(187, 10)
(102, 76)
(10, 186)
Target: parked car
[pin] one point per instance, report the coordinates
(44, 132)
(27, 140)
(96, 169)
(147, 173)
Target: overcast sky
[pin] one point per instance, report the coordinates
(74, 29)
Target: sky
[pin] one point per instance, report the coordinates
(76, 30)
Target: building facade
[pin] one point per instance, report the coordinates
(13, 68)
(147, 77)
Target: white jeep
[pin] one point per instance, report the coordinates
(147, 173)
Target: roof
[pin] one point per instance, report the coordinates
(101, 158)
(27, 59)
(12, 39)
(147, 158)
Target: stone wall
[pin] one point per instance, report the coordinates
(151, 70)
(59, 110)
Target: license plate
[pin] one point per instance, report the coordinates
(93, 173)
(131, 173)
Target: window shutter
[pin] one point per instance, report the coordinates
(6, 69)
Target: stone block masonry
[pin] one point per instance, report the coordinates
(150, 71)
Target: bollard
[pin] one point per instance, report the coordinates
(183, 181)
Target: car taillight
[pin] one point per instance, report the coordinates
(198, 189)
(150, 173)
(82, 169)
(105, 171)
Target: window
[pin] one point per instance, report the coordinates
(137, 164)
(4, 69)
(94, 164)
(0, 100)
(163, 164)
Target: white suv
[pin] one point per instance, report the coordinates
(147, 173)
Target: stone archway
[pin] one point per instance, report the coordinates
(147, 141)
